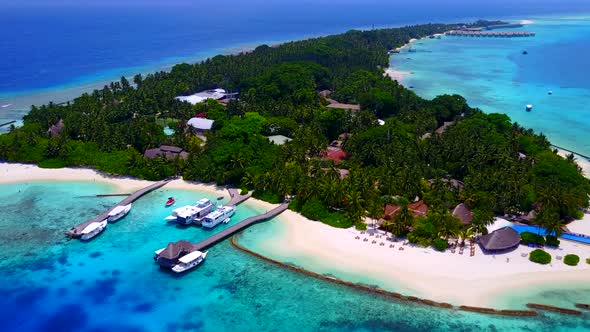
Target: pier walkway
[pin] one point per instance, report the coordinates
(506, 34)
(236, 198)
(7, 123)
(77, 230)
(228, 232)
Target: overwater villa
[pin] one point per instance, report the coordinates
(168, 257)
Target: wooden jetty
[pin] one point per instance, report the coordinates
(503, 34)
(228, 232)
(236, 198)
(570, 151)
(77, 230)
(7, 123)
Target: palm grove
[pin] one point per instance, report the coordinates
(505, 167)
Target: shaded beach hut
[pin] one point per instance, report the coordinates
(503, 239)
(462, 213)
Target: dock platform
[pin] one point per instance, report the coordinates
(77, 230)
(236, 198)
(228, 232)
(502, 34)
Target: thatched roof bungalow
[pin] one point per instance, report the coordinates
(502, 239)
(170, 152)
(462, 213)
(173, 251)
(56, 129)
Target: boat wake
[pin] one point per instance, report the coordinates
(6, 105)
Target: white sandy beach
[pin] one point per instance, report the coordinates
(21, 173)
(450, 277)
(397, 75)
(323, 249)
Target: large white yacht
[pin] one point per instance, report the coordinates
(118, 212)
(93, 229)
(189, 261)
(221, 215)
(191, 214)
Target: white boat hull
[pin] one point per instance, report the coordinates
(123, 213)
(179, 268)
(100, 229)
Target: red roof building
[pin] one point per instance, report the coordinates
(418, 209)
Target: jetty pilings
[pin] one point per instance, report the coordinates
(76, 231)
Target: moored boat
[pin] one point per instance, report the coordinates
(191, 214)
(189, 261)
(529, 107)
(118, 212)
(170, 201)
(93, 230)
(221, 215)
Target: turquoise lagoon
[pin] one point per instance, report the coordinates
(48, 283)
(494, 75)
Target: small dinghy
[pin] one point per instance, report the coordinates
(170, 201)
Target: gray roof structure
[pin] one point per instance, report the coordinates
(167, 151)
(462, 213)
(201, 123)
(55, 129)
(501, 239)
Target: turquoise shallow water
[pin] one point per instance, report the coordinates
(112, 284)
(494, 75)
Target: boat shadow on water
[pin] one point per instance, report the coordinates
(180, 275)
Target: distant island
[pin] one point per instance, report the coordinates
(320, 122)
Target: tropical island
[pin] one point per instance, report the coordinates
(321, 123)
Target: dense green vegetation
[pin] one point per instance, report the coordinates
(571, 260)
(440, 244)
(531, 238)
(540, 256)
(505, 167)
(552, 241)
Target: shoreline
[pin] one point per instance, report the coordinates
(337, 254)
(422, 272)
(13, 173)
(376, 290)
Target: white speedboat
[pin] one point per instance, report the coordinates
(93, 229)
(191, 214)
(221, 215)
(189, 261)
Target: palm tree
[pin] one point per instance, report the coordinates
(404, 219)
(355, 206)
